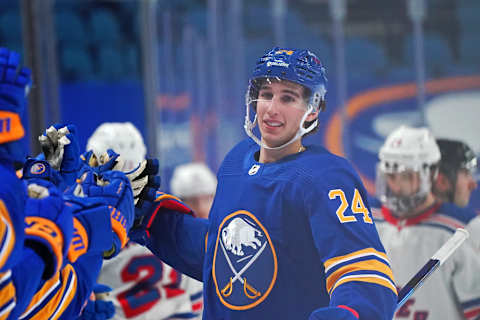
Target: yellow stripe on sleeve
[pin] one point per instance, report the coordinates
(354, 255)
(370, 278)
(59, 302)
(7, 234)
(7, 295)
(365, 265)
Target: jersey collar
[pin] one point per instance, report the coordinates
(391, 218)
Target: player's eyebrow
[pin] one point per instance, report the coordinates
(289, 91)
(293, 93)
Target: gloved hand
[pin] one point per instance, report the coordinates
(147, 211)
(98, 307)
(15, 83)
(40, 169)
(334, 313)
(49, 224)
(61, 150)
(103, 213)
(142, 178)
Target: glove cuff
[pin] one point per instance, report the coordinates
(11, 128)
(43, 235)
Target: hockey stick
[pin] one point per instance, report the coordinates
(435, 261)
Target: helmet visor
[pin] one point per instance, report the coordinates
(402, 190)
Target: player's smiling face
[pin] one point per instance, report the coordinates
(280, 108)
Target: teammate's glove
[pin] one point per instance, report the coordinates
(61, 150)
(103, 213)
(40, 169)
(98, 307)
(143, 178)
(49, 226)
(14, 86)
(334, 313)
(146, 213)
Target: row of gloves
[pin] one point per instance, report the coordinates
(92, 194)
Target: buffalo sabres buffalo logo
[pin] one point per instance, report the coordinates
(245, 263)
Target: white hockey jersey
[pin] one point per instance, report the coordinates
(146, 288)
(453, 291)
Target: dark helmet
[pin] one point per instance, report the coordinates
(456, 155)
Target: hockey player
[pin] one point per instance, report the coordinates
(455, 182)
(412, 225)
(44, 274)
(29, 253)
(289, 235)
(195, 184)
(143, 287)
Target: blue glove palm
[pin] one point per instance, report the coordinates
(49, 226)
(103, 212)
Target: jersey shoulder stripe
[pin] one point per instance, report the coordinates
(471, 309)
(447, 220)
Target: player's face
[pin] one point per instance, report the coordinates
(404, 183)
(280, 108)
(465, 184)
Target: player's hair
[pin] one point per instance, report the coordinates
(455, 155)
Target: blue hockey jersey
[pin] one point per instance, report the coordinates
(284, 239)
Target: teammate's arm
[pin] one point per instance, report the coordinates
(167, 227)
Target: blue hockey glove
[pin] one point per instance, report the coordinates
(14, 86)
(146, 212)
(98, 307)
(49, 226)
(334, 313)
(104, 162)
(142, 178)
(41, 169)
(60, 148)
(103, 213)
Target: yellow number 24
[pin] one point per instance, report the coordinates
(357, 206)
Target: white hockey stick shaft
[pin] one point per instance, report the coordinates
(435, 261)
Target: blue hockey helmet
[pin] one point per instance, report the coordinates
(299, 66)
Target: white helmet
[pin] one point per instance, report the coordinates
(193, 179)
(124, 138)
(407, 149)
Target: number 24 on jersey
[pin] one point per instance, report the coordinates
(357, 206)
